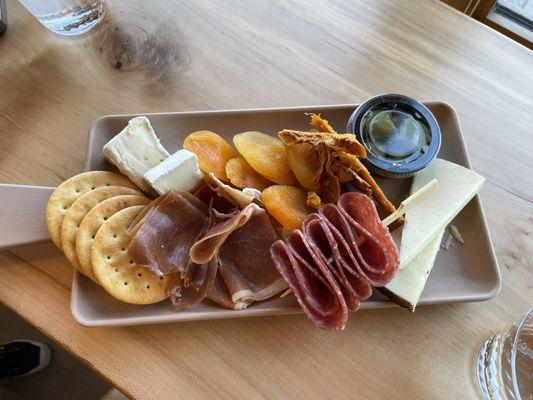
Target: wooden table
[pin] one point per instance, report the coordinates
(198, 55)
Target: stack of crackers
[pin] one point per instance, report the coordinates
(88, 217)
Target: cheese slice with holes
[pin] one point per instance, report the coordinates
(135, 150)
(178, 172)
(457, 186)
(408, 283)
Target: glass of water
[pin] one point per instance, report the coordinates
(67, 17)
(505, 363)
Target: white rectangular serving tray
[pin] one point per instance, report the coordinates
(467, 272)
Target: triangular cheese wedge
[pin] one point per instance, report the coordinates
(408, 283)
(457, 186)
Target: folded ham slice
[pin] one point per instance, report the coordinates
(220, 251)
(224, 194)
(166, 233)
(241, 244)
(190, 290)
(332, 263)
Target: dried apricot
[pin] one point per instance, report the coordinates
(287, 204)
(242, 175)
(266, 154)
(212, 150)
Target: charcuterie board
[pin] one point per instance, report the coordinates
(468, 272)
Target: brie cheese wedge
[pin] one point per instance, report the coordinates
(178, 172)
(135, 150)
(424, 222)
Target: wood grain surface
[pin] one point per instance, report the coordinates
(199, 55)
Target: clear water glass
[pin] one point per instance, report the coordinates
(67, 17)
(505, 363)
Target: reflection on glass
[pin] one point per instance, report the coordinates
(67, 17)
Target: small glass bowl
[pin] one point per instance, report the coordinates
(405, 162)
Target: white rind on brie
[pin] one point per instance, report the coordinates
(457, 186)
(178, 172)
(135, 150)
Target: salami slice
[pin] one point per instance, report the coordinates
(321, 300)
(332, 263)
(377, 252)
(335, 251)
(321, 246)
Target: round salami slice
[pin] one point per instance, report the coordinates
(336, 251)
(312, 283)
(376, 249)
(317, 237)
(332, 263)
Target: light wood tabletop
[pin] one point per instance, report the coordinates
(202, 55)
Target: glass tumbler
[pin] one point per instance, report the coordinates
(67, 17)
(505, 363)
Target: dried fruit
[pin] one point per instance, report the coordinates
(287, 204)
(212, 150)
(242, 175)
(266, 154)
(305, 162)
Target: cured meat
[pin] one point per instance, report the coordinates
(219, 294)
(210, 198)
(205, 248)
(233, 195)
(220, 251)
(333, 249)
(166, 233)
(378, 254)
(190, 290)
(313, 285)
(241, 244)
(245, 264)
(332, 263)
(340, 227)
(137, 221)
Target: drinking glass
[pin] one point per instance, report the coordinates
(505, 363)
(67, 17)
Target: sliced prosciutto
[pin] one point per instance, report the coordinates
(241, 245)
(185, 292)
(332, 263)
(166, 233)
(218, 293)
(220, 251)
(245, 264)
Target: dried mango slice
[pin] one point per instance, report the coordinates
(287, 204)
(242, 175)
(212, 150)
(266, 154)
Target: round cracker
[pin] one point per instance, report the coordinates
(70, 190)
(77, 211)
(93, 220)
(115, 270)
